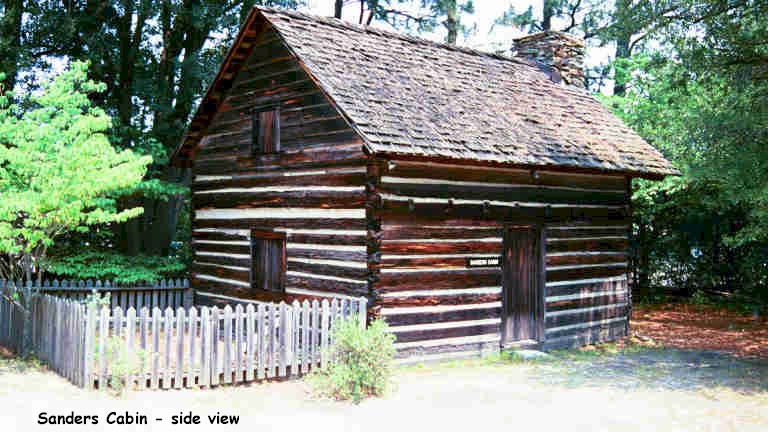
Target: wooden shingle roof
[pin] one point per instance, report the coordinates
(409, 97)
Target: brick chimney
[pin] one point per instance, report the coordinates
(559, 54)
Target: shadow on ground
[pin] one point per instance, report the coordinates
(649, 368)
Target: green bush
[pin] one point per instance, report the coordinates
(122, 363)
(97, 300)
(113, 266)
(361, 364)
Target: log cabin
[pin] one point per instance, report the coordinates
(477, 200)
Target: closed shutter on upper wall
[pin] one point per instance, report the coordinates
(266, 131)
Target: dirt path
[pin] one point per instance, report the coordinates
(632, 390)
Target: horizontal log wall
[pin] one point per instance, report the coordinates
(313, 190)
(435, 304)
(436, 217)
(587, 296)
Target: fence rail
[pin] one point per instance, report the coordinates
(174, 348)
(172, 293)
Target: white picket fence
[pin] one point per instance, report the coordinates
(185, 347)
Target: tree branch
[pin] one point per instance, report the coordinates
(572, 14)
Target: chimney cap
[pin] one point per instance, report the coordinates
(550, 33)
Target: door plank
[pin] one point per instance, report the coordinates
(523, 280)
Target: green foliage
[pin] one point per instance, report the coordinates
(424, 15)
(703, 101)
(97, 300)
(551, 9)
(116, 267)
(121, 362)
(700, 298)
(57, 167)
(362, 362)
(156, 58)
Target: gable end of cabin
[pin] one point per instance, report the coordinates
(278, 189)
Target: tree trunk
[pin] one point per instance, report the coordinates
(172, 40)
(452, 22)
(178, 83)
(338, 5)
(622, 52)
(624, 31)
(127, 57)
(10, 43)
(548, 13)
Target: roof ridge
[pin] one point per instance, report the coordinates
(338, 23)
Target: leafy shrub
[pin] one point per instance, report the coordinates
(122, 364)
(700, 298)
(361, 364)
(97, 300)
(112, 266)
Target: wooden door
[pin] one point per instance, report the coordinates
(523, 285)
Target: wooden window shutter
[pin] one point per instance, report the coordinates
(266, 131)
(268, 258)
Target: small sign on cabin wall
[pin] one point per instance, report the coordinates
(484, 262)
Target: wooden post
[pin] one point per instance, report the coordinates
(205, 347)
(305, 342)
(227, 360)
(154, 373)
(215, 340)
(324, 332)
(283, 347)
(26, 336)
(79, 311)
(333, 319)
(189, 295)
(315, 340)
(250, 329)
(295, 332)
(288, 345)
(180, 354)
(238, 343)
(192, 358)
(143, 335)
(362, 311)
(59, 328)
(103, 334)
(261, 342)
(130, 330)
(271, 342)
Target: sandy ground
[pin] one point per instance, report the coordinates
(648, 390)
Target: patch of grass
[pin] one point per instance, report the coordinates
(597, 351)
(512, 357)
(20, 365)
